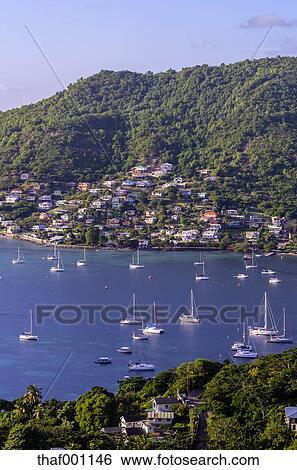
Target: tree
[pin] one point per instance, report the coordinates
(95, 410)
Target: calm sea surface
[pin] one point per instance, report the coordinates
(62, 362)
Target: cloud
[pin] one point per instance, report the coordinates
(266, 21)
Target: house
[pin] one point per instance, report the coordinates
(12, 199)
(252, 236)
(166, 167)
(209, 215)
(133, 425)
(24, 176)
(291, 417)
(45, 206)
(83, 186)
(128, 183)
(162, 411)
(13, 229)
(38, 227)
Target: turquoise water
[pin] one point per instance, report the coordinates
(62, 362)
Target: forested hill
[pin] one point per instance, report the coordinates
(239, 119)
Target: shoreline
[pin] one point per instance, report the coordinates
(40, 242)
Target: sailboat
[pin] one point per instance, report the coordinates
(59, 268)
(265, 330)
(198, 263)
(153, 328)
(19, 259)
(139, 366)
(28, 334)
(241, 344)
(136, 263)
(53, 256)
(83, 261)
(132, 320)
(281, 338)
(245, 351)
(253, 264)
(192, 317)
(202, 277)
(140, 336)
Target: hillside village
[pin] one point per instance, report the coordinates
(149, 206)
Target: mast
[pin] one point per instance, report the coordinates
(133, 307)
(85, 254)
(31, 321)
(155, 320)
(192, 303)
(284, 310)
(138, 256)
(265, 312)
(203, 270)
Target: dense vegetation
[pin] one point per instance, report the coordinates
(238, 120)
(245, 406)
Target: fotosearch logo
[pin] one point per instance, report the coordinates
(113, 314)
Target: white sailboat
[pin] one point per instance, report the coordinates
(139, 366)
(153, 328)
(53, 256)
(245, 351)
(136, 263)
(29, 334)
(59, 268)
(140, 336)
(253, 264)
(281, 338)
(241, 344)
(83, 261)
(19, 259)
(203, 276)
(265, 330)
(192, 317)
(132, 320)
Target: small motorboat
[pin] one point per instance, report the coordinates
(241, 276)
(267, 271)
(103, 360)
(274, 280)
(124, 350)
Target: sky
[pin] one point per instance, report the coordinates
(82, 37)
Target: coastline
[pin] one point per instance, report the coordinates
(40, 242)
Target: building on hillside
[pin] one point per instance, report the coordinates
(291, 417)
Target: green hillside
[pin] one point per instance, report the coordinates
(239, 120)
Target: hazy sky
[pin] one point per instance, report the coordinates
(81, 37)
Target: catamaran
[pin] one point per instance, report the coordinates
(140, 336)
(53, 256)
(29, 334)
(132, 320)
(153, 328)
(281, 338)
(192, 317)
(139, 366)
(136, 263)
(59, 268)
(19, 259)
(83, 261)
(265, 330)
(241, 344)
(245, 351)
(253, 264)
(202, 277)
